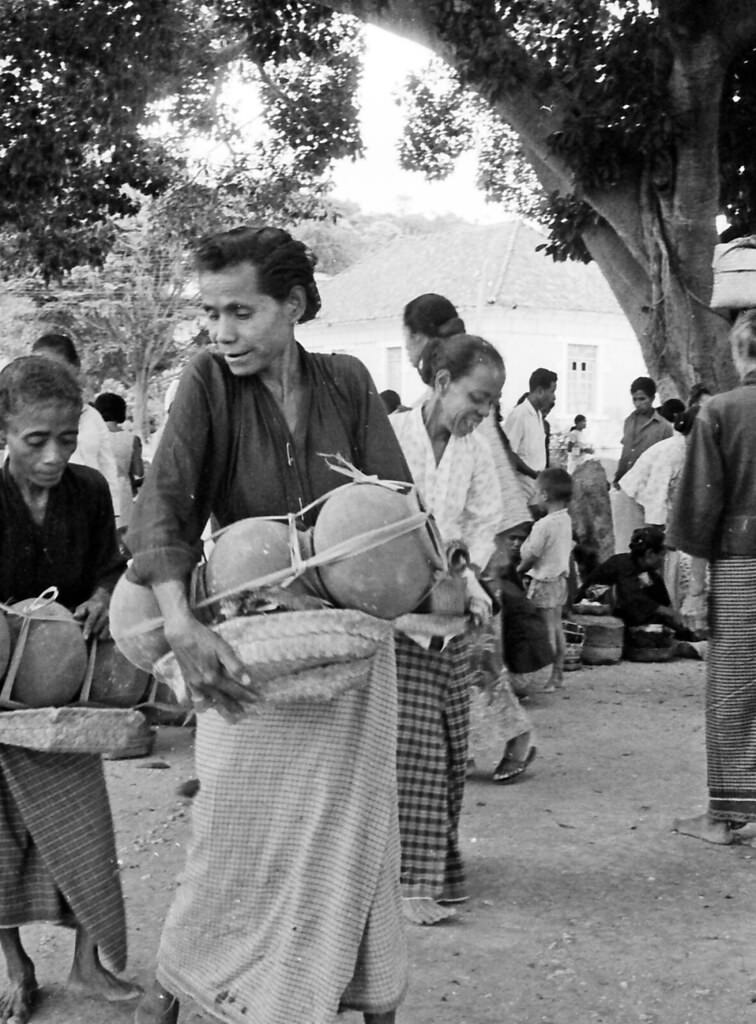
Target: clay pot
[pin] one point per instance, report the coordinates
(54, 659)
(389, 580)
(251, 549)
(131, 605)
(115, 681)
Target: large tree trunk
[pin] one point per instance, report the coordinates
(655, 242)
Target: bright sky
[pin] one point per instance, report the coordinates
(377, 182)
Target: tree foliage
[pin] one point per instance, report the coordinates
(636, 118)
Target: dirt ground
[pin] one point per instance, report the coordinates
(584, 906)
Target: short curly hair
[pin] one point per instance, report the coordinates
(36, 380)
(281, 261)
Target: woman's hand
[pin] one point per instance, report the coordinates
(478, 604)
(212, 671)
(214, 675)
(93, 614)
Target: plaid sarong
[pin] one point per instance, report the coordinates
(289, 905)
(434, 706)
(731, 691)
(57, 849)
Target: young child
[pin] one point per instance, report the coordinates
(545, 555)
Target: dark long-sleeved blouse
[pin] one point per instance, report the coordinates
(74, 549)
(639, 594)
(227, 451)
(714, 514)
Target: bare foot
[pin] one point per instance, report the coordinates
(17, 1001)
(158, 1006)
(98, 981)
(426, 911)
(706, 828)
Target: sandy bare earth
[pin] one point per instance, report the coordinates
(584, 908)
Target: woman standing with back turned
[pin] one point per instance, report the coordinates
(715, 518)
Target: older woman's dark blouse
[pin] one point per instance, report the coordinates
(227, 451)
(639, 593)
(714, 515)
(74, 549)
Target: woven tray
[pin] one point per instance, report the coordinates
(430, 625)
(71, 730)
(312, 655)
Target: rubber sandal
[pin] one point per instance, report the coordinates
(509, 768)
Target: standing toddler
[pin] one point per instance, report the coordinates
(545, 555)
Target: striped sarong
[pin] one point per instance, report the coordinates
(289, 904)
(731, 691)
(434, 703)
(57, 849)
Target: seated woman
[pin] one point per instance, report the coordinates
(640, 596)
(57, 850)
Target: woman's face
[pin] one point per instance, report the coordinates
(651, 559)
(414, 343)
(252, 331)
(467, 401)
(40, 440)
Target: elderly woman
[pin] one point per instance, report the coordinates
(715, 519)
(57, 850)
(289, 905)
(453, 468)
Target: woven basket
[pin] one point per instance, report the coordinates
(734, 267)
(70, 730)
(313, 655)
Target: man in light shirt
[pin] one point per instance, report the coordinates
(525, 430)
(93, 447)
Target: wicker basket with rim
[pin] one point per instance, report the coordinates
(72, 730)
(291, 656)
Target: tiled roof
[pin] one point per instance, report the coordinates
(473, 265)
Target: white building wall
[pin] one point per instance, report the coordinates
(527, 338)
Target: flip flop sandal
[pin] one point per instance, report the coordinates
(509, 768)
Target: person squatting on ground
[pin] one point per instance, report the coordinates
(57, 849)
(640, 595)
(545, 556)
(289, 906)
(452, 468)
(714, 518)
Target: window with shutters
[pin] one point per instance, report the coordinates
(581, 379)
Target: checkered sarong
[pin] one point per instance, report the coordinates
(731, 691)
(289, 905)
(431, 765)
(57, 844)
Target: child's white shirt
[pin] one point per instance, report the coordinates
(550, 544)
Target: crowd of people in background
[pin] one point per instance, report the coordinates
(502, 506)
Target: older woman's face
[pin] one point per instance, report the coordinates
(467, 401)
(253, 331)
(40, 439)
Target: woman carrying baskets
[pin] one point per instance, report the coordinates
(289, 904)
(57, 850)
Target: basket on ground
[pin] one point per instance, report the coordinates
(574, 638)
(653, 642)
(290, 656)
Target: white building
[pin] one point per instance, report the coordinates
(538, 313)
